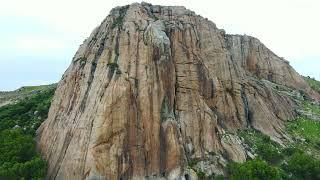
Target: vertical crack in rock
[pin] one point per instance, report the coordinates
(62, 154)
(246, 106)
(91, 75)
(166, 112)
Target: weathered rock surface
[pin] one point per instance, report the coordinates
(156, 87)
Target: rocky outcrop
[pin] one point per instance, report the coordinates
(155, 88)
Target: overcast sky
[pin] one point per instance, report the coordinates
(38, 38)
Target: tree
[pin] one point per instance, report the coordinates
(18, 157)
(303, 166)
(255, 169)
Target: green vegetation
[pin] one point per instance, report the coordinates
(302, 166)
(18, 123)
(314, 84)
(191, 164)
(21, 93)
(278, 162)
(114, 67)
(18, 158)
(309, 107)
(82, 61)
(298, 166)
(306, 129)
(305, 133)
(263, 146)
(28, 89)
(27, 113)
(254, 169)
(118, 22)
(298, 159)
(201, 175)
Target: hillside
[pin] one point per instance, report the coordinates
(19, 120)
(8, 97)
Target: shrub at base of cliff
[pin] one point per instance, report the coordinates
(18, 123)
(18, 157)
(298, 160)
(254, 169)
(297, 166)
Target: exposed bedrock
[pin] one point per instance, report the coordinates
(156, 87)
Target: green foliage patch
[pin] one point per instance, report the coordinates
(114, 68)
(18, 157)
(18, 123)
(305, 128)
(278, 162)
(254, 169)
(310, 107)
(27, 113)
(21, 93)
(314, 84)
(302, 166)
(262, 145)
(118, 22)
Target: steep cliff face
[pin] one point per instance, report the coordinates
(154, 88)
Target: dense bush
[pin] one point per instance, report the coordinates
(33, 169)
(302, 166)
(18, 123)
(23, 114)
(298, 165)
(276, 161)
(18, 157)
(15, 146)
(253, 169)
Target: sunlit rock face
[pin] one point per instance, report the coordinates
(156, 87)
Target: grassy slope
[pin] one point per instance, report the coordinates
(314, 84)
(7, 97)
